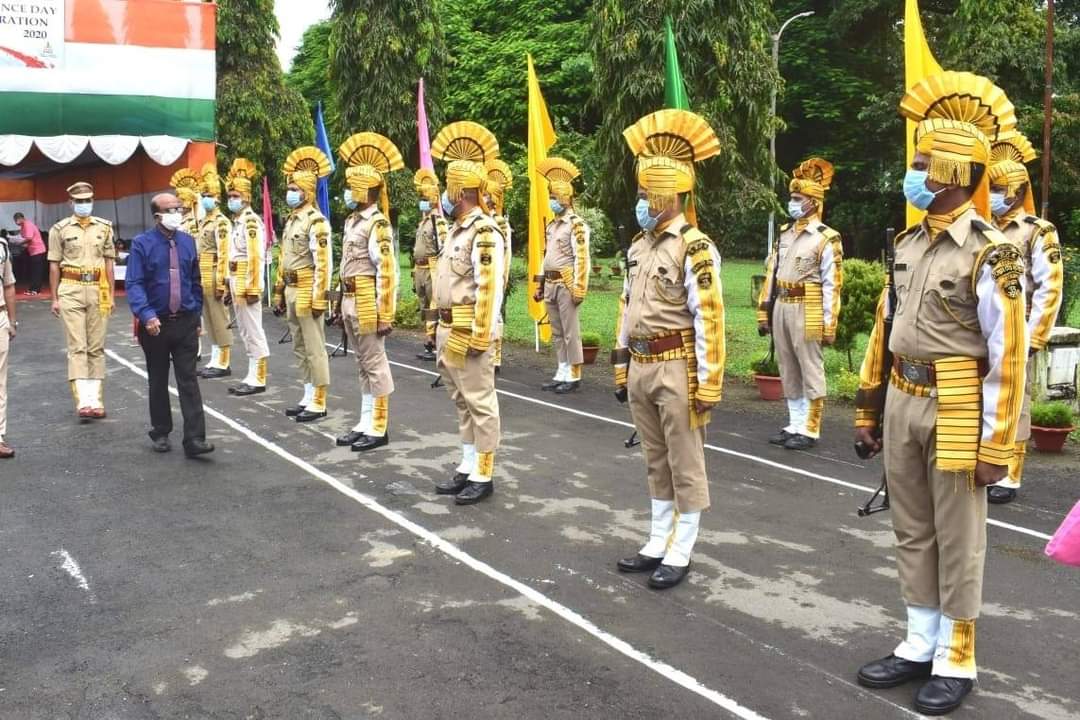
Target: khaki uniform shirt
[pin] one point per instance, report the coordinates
(82, 243)
(567, 248)
(426, 245)
(306, 244)
(470, 272)
(1038, 242)
(808, 253)
(213, 239)
(247, 244)
(367, 249)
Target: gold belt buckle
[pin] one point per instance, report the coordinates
(640, 346)
(915, 372)
(86, 277)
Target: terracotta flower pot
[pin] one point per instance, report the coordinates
(1049, 439)
(769, 387)
(589, 353)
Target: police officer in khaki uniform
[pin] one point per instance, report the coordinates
(804, 274)
(500, 178)
(956, 385)
(369, 281)
(670, 352)
(468, 294)
(566, 273)
(187, 185)
(431, 232)
(302, 288)
(1013, 206)
(7, 332)
(81, 255)
(213, 248)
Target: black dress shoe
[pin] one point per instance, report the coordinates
(781, 437)
(454, 485)
(160, 443)
(996, 495)
(567, 387)
(215, 373)
(244, 389)
(349, 438)
(668, 576)
(197, 447)
(294, 410)
(370, 442)
(892, 671)
(309, 416)
(799, 442)
(428, 354)
(941, 695)
(551, 385)
(474, 492)
(638, 563)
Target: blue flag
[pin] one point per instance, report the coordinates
(323, 142)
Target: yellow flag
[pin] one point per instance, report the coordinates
(541, 138)
(919, 63)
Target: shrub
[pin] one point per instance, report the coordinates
(408, 312)
(863, 282)
(766, 366)
(602, 235)
(1070, 289)
(1051, 415)
(590, 339)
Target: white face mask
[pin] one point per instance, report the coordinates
(795, 209)
(171, 220)
(84, 208)
(235, 205)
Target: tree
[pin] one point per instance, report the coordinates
(724, 51)
(378, 52)
(258, 117)
(310, 73)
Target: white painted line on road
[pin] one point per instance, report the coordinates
(571, 616)
(728, 451)
(71, 567)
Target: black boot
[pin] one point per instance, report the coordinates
(474, 492)
(891, 671)
(551, 385)
(214, 373)
(370, 442)
(799, 442)
(309, 416)
(294, 410)
(568, 387)
(454, 485)
(348, 438)
(781, 437)
(245, 389)
(638, 563)
(941, 695)
(997, 495)
(428, 354)
(668, 576)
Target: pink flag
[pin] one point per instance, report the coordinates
(268, 216)
(422, 130)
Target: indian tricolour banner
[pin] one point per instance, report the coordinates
(107, 67)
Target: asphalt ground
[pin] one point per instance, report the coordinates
(283, 577)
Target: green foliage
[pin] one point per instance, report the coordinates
(724, 51)
(258, 117)
(1070, 258)
(766, 366)
(408, 312)
(310, 72)
(844, 384)
(590, 339)
(378, 51)
(602, 238)
(1051, 415)
(863, 282)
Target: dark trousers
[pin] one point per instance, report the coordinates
(177, 342)
(37, 271)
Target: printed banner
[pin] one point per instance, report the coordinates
(32, 34)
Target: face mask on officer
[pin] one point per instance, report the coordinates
(83, 208)
(999, 203)
(556, 206)
(646, 221)
(171, 219)
(425, 206)
(915, 190)
(349, 201)
(208, 203)
(796, 209)
(294, 198)
(235, 205)
(447, 206)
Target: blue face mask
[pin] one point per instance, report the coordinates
(644, 219)
(999, 205)
(349, 202)
(556, 206)
(208, 204)
(83, 209)
(235, 205)
(425, 206)
(915, 190)
(293, 198)
(447, 206)
(795, 209)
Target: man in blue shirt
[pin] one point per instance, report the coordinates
(165, 293)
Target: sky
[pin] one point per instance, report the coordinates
(296, 16)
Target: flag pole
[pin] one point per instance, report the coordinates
(1048, 109)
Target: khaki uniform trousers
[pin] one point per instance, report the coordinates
(249, 325)
(940, 524)
(309, 342)
(422, 286)
(5, 344)
(674, 453)
(565, 328)
(472, 388)
(84, 327)
(216, 320)
(370, 352)
(802, 362)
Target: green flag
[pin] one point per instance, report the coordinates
(674, 87)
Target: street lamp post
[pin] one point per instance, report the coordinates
(772, 140)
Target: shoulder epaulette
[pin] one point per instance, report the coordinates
(783, 228)
(990, 232)
(905, 233)
(103, 221)
(1044, 226)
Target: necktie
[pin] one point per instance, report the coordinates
(174, 278)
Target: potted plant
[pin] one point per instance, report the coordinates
(767, 378)
(615, 269)
(1051, 423)
(597, 268)
(590, 346)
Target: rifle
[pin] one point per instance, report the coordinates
(774, 292)
(863, 451)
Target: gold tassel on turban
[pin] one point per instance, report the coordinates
(667, 143)
(210, 181)
(370, 156)
(466, 146)
(560, 175)
(812, 178)
(959, 115)
(240, 178)
(426, 183)
(304, 167)
(500, 179)
(186, 183)
(1008, 157)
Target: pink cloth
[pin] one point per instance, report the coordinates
(1065, 545)
(34, 244)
